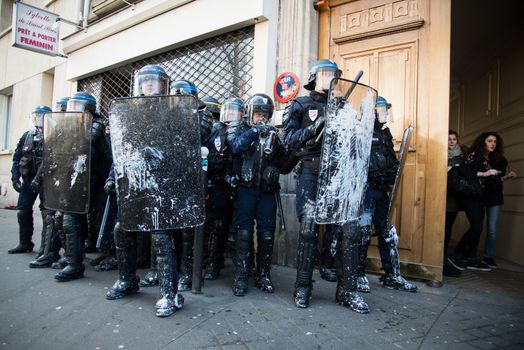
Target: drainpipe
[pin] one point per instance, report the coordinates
(85, 13)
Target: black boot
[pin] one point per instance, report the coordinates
(74, 228)
(42, 238)
(243, 249)
(326, 264)
(107, 260)
(186, 270)
(94, 218)
(215, 255)
(347, 293)
(264, 257)
(365, 240)
(126, 255)
(151, 277)
(388, 248)
(50, 244)
(25, 226)
(170, 300)
(307, 244)
(59, 225)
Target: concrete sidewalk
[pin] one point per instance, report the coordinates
(480, 310)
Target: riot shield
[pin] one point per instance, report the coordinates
(346, 148)
(156, 155)
(403, 154)
(67, 161)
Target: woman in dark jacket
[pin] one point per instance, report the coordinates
(493, 196)
(456, 153)
(476, 167)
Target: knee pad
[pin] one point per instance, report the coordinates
(351, 231)
(266, 236)
(308, 229)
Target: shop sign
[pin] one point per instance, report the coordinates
(34, 29)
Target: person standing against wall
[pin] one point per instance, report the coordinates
(494, 194)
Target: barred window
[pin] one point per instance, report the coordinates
(220, 67)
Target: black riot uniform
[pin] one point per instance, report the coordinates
(106, 261)
(75, 225)
(219, 201)
(27, 159)
(304, 118)
(150, 80)
(185, 249)
(383, 167)
(51, 240)
(260, 153)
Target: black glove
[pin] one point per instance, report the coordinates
(109, 187)
(35, 185)
(317, 126)
(17, 185)
(262, 129)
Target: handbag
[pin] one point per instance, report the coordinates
(458, 184)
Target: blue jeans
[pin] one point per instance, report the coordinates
(492, 221)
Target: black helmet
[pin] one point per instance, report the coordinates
(151, 80)
(321, 74)
(183, 87)
(81, 101)
(259, 103)
(213, 106)
(232, 110)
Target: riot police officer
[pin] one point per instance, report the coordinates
(149, 81)
(303, 120)
(219, 202)
(383, 167)
(185, 87)
(52, 232)
(75, 225)
(260, 151)
(26, 162)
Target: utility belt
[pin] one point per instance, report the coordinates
(313, 164)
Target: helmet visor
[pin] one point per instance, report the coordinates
(324, 78)
(259, 117)
(384, 114)
(74, 105)
(183, 90)
(150, 84)
(59, 107)
(37, 119)
(230, 113)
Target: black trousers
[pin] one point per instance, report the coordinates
(474, 208)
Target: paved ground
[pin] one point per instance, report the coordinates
(477, 311)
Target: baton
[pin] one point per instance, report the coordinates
(103, 224)
(281, 210)
(198, 243)
(346, 96)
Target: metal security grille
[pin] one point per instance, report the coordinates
(220, 67)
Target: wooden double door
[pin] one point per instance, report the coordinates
(403, 48)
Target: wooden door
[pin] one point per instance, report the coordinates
(393, 42)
